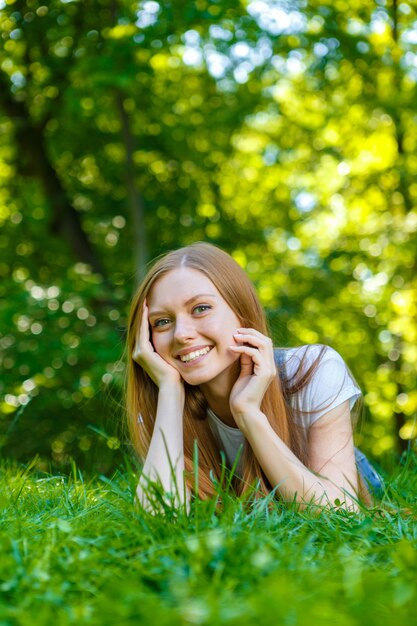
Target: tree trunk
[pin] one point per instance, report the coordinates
(34, 160)
(135, 201)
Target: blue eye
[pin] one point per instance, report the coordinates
(202, 306)
(161, 322)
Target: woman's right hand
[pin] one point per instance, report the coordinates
(144, 354)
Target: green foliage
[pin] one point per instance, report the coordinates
(79, 552)
(283, 132)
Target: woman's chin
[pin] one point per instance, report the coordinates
(193, 378)
(229, 373)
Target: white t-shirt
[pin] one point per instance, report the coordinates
(330, 385)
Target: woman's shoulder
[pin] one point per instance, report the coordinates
(318, 379)
(307, 355)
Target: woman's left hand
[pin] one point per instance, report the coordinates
(257, 371)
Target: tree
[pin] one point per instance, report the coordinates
(270, 129)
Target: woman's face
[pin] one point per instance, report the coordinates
(187, 314)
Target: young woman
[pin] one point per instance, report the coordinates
(202, 367)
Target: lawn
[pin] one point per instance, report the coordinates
(76, 551)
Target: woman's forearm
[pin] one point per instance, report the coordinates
(165, 458)
(283, 468)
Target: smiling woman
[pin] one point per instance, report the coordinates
(202, 368)
(193, 332)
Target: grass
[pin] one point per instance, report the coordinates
(78, 552)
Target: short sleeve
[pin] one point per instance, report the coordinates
(330, 385)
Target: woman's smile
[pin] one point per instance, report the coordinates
(195, 357)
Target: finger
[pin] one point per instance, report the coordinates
(252, 331)
(252, 352)
(258, 359)
(142, 332)
(144, 326)
(260, 341)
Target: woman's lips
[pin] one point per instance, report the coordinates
(194, 356)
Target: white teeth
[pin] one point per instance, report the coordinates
(194, 355)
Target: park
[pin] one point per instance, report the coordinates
(283, 132)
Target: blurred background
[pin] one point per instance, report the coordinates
(283, 131)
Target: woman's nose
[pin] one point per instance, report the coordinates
(184, 329)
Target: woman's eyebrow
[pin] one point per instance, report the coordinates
(200, 295)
